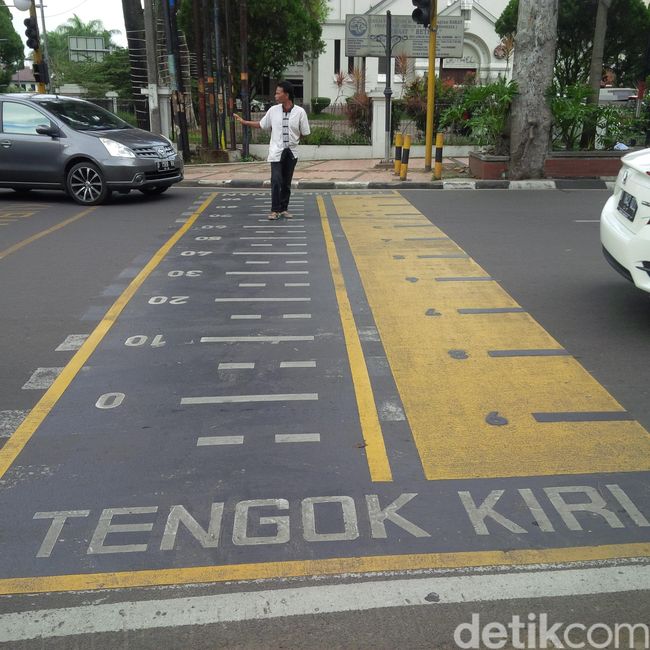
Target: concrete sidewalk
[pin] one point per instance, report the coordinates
(338, 172)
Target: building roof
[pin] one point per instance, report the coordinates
(26, 75)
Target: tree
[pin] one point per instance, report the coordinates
(533, 72)
(12, 51)
(281, 32)
(134, 25)
(62, 70)
(627, 29)
(111, 74)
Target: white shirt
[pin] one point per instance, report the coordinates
(298, 125)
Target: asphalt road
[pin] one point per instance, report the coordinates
(353, 429)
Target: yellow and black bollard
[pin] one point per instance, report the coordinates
(437, 168)
(398, 153)
(406, 150)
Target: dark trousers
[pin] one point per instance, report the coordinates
(281, 175)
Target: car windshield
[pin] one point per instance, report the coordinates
(83, 116)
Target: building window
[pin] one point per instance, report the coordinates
(382, 65)
(350, 64)
(337, 55)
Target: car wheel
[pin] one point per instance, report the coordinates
(156, 189)
(86, 185)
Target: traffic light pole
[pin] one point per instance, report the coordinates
(431, 86)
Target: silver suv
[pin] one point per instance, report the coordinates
(56, 142)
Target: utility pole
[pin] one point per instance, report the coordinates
(431, 86)
(152, 68)
(176, 75)
(388, 91)
(209, 71)
(198, 48)
(228, 84)
(243, 35)
(220, 83)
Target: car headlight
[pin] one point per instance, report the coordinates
(116, 149)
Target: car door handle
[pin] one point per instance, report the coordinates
(5, 144)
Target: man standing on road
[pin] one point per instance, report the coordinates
(287, 123)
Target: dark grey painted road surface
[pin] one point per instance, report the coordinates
(129, 434)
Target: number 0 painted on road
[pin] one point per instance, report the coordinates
(110, 400)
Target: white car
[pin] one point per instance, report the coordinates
(625, 221)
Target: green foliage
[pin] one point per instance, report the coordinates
(318, 104)
(280, 32)
(485, 110)
(62, 70)
(11, 48)
(111, 74)
(571, 112)
(359, 111)
(447, 95)
(628, 24)
(129, 118)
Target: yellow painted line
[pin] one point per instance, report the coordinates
(44, 233)
(334, 566)
(370, 426)
(447, 400)
(30, 424)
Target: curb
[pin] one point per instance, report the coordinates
(461, 184)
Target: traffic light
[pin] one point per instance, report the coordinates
(41, 73)
(422, 12)
(33, 40)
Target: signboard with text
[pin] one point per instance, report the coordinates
(365, 35)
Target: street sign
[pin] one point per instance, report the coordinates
(365, 35)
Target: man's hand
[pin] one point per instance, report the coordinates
(239, 118)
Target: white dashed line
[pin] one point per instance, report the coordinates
(262, 299)
(236, 366)
(297, 364)
(252, 284)
(72, 343)
(297, 437)
(246, 399)
(42, 378)
(267, 272)
(256, 262)
(209, 441)
(255, 339)
(296, 316)
(246, 317)
(297, 284)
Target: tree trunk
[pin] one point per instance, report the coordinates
(596, 72)
(533, 71)
(135, 35)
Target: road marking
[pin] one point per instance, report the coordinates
(298, 316)
(297, 284)
(321, 599)
(297, 437)
(492, 310)
(72, 343)
(274, 238)
(528, 353)
(256, 262)
(246, 317)
(466, 279)
(262, 299)
(10, 421)
(297, 364)
(449, 357)
(245, 399)
(235, 366)
(23, 434)
(586, 416)
(209, 441)
(252, 284)
(42, 378)
(269, 253)
(21, 244)
(254, 339)
(297, 262)
(270, 226)
(370, 427)
(258, 245)
(296, 244)
(267, 272)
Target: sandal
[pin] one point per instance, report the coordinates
(274, 216)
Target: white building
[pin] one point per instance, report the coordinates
(480, 43)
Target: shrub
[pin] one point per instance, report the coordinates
(318, 104)
(320, 135)
(359, 110)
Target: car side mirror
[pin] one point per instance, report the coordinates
(50, 130)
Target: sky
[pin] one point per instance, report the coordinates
(57, 12)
